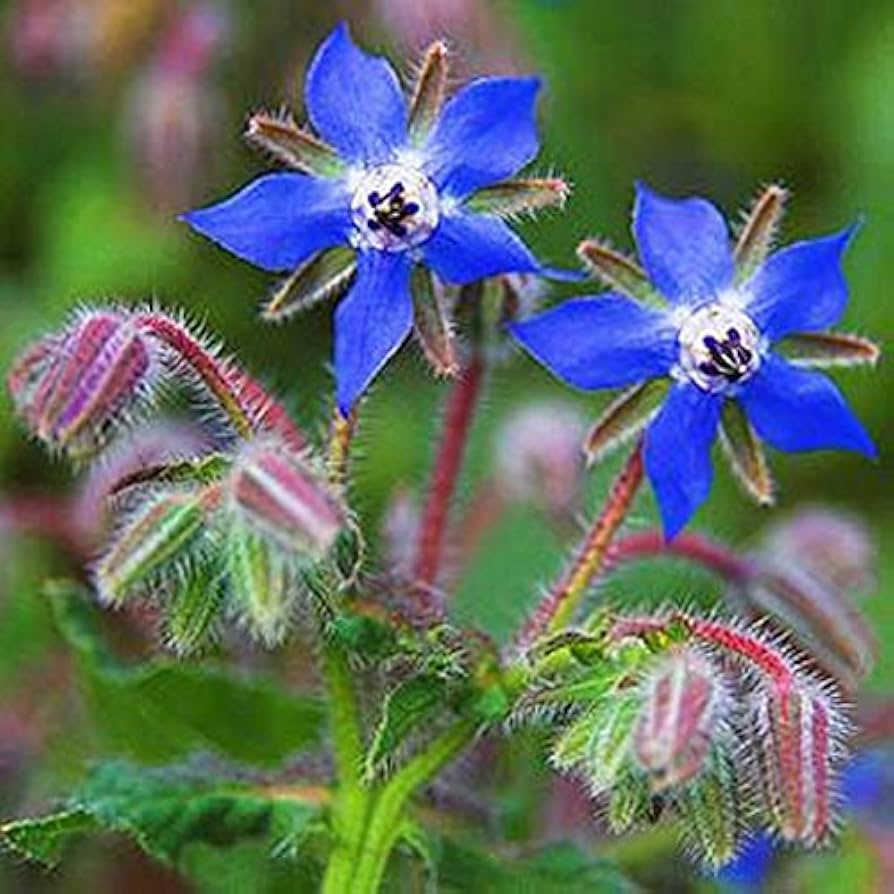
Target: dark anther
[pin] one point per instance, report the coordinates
(729, 358)
(391, 210)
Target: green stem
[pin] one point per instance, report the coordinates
(349, 812)
(388, 811)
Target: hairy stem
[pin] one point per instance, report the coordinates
(694, 547)
(457, 423)
(341, 434)
(389, 809)
(352, 800)
(560, 603)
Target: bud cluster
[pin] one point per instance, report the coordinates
(716, 724)
(227, 529)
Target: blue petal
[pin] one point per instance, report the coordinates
(684, 246)
(601, 342)
(678, 454)
(486, 132)
(277, 221)
(801, 288)
(466, 247)
(355, 101)
(797, 409)
(371, 322)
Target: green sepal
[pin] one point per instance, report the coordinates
(326, 275)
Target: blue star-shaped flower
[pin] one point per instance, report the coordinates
(397, 198)
(712, 335)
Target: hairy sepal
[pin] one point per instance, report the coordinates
(326, 275)
(617, 272)
(525, 195)
(824, 349)
(745, 453)
(429, 91)
(624, 418)
(433, 325)
(759, 228)
(279, 136)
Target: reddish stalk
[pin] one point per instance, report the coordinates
(558, 606)
(455, 433)
(694, 547)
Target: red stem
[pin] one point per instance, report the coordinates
(455, 433)
(698, 549)
(559, 604)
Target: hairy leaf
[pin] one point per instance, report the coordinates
(407, 708)
(43, 839)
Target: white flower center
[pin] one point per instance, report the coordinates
(395, 207)
(719, 347)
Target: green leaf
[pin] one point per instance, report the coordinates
(164, 809)
(559, 869)
(43, 840)
(406, 708)
(162, 709)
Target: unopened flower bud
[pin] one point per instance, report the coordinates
(264, 585)
(72, 388)
(679, 718)
(539, 456)
(161, 536)
(278, 494)
(833, 546)
(799, 737)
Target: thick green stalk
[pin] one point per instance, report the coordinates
(349, 812)
(389, 809)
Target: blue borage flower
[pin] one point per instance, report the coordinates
(396, 187)
(710, 330)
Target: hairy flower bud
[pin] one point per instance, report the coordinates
(278, 494)
(72, 388)
(680, 716)
(799, 733)
(161, 536)
(539, 456)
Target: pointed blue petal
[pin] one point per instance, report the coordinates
(277, 221)
(355, 100)
(467, 246)
(678, 454)
(601, 342)
(371, 322)
(486, 132)
(684, 246)
(801, 288)
(797, 409)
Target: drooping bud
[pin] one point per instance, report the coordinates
(682, 714)
(164, 534)
(74, 387)
(264, 585)
(194, 608)
(831, 545)
(278, 494)
(539, 456)
(799, 734)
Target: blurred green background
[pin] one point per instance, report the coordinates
(105, 136)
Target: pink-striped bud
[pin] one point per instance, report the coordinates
(73, 387)
(278, 494)
(684, 707)
(539, 456)
(799, 733)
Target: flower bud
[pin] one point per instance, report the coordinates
(161, 536)
(833, 546)
(72, 388)
(679, 718)
(799, 733)
(539, 456)
(280, 496)
(264, 585)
